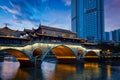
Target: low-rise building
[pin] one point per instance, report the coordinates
(57, 32)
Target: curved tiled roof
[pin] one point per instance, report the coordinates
(5, 31)
(56, 29)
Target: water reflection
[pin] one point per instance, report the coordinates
(8, 70)
(92, 71)
(56, 71)
(108, 71)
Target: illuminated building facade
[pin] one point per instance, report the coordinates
(88, 19)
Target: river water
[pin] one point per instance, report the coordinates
(10, 70)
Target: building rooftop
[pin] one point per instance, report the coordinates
(56, 29)
(6, 31)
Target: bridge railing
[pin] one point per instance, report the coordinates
(20, 42)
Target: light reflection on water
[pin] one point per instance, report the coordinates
(57, 71)
(7, 70)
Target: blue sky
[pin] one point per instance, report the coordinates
(20, 14)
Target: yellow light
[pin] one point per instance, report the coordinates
(108, 71)
(22, 59)
(108, 51)
(91, 56)
(66, 57)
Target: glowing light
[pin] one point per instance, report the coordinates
(22, 59)
(80, 52)
(91, 56)
(64, 67)
(108, 71)
(91, 66)
(108, 51)
(66, 57)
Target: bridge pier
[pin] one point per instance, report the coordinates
(28, 63)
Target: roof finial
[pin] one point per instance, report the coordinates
(6, 24)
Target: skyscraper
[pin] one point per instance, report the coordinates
(88, 19)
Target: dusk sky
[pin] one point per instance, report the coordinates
(20, 14)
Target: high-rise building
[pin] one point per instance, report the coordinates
(107, 36)
(116, 35)
(113, 35)
(88, 19)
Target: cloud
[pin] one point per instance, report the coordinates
(24, 10)
(47, 12)
(67, 2)
(60, 19)
(13, 11)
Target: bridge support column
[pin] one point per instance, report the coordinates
(26, 63)
(37, 63)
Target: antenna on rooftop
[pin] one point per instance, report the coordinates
(40, 23)
(6, 24)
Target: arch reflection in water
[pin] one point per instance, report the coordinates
(58, 71)
(9, 70)
(87, 71)
(92, 70)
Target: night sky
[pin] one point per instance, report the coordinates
(20, 14)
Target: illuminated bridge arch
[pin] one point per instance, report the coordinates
(37, 52)
(20, 56)
(91, 55)
(62, 52)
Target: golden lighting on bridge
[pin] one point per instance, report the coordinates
(63, 52)
(37, 52)
(80, 52)
(91, 54)
(22, 59)
(19, 55)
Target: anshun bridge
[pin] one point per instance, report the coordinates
(26, 49)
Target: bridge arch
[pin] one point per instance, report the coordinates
(37, 52)
(20, 56)
(80, 52)
(91, 55)
(63, 52)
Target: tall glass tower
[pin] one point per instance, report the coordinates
(88, 19)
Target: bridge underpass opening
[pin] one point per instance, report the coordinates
(91, 56)
(80, 52)
(21, 57)
(63, 53)
(37, 52)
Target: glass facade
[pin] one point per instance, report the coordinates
(88, 19)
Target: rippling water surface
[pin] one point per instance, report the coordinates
(56, 71)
